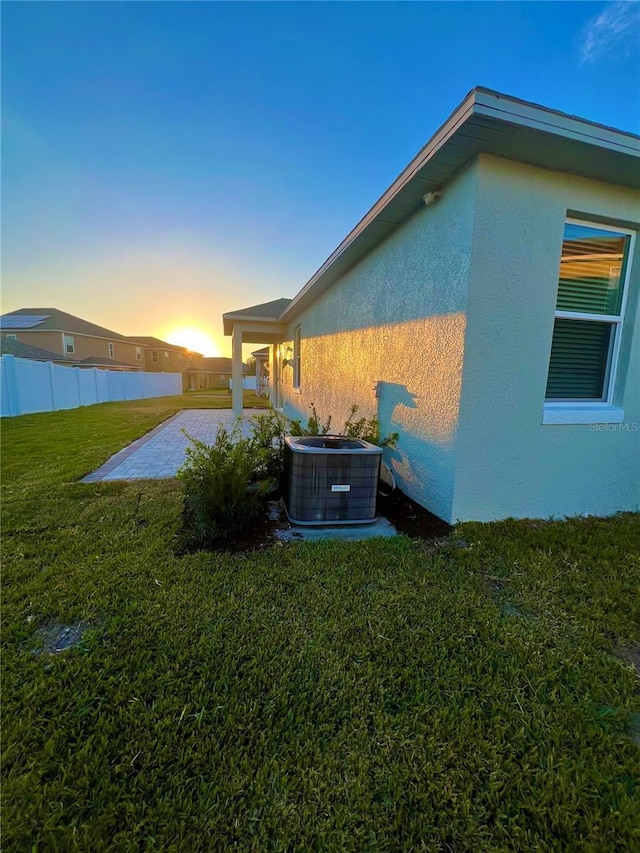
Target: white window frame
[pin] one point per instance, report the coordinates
(65, 344)
(111, 349)
(12, 337)
(297, 356)
(138, 353)
(166, 355)
(595, 411)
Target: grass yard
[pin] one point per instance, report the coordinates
(375, 696)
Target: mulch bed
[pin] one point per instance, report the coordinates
(406, 516)
(410, 518)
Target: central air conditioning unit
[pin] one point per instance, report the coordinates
(330, 479)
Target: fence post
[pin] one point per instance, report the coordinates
(52, 385)
(11, 384)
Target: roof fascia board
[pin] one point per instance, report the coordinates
(248, 323)
(529, 115)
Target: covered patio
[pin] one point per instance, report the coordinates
(259, 324)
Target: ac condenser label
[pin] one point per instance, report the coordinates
(340, 488)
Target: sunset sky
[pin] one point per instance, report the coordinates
(166, 162)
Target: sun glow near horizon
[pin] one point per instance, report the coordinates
(194, 339)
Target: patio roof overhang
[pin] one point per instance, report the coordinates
(249, 332)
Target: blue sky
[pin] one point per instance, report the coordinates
(166, 162)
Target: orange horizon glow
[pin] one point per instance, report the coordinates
(194, 339)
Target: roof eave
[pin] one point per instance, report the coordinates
(424, 174)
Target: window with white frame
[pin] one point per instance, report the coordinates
(69, 345)
(154, 356)
(166, 356)
(12, 337)
(593, 280)
(138, 353)
(112, 350)
(297, 339)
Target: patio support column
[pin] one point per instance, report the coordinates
(259, 379)
(236, 369)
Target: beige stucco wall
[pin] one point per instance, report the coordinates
(396, 323)
(509, 462)
(451, 319)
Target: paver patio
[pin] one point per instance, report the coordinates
(160, 453)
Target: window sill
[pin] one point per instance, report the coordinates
(595, 413)
(296, 390)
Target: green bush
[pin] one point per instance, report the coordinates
(267, 445)
(367, 429)
(225, 486)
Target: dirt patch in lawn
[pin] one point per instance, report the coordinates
(631, 654)
(59, 638)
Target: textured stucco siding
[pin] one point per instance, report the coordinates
(396, 322)
(508, 463)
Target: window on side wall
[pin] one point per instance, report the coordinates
(138, 353)
(297, 339)
(69, 345)
(166, 356)
(154, 355)
(112, 350)
(592, 290)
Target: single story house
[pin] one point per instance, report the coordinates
(219, 371)
(486, 308)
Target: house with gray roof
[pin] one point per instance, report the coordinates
(68, 335)
(486, 309)
(10, 346)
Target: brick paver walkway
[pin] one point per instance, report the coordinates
(160, 453)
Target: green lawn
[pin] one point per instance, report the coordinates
(370, 696)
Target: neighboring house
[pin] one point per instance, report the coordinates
(11, 346)
(162, 357)
(486, 308)
(59, 332)
(219, 371)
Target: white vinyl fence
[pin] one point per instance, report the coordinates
(39, 386)
(248, 383)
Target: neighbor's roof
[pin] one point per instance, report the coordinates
(260, 352)
(486, 122)
(53, 320)
(100, 361)
(20, 350)
(157, 343)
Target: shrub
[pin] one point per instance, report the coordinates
(225, 486)
(313, 427)
(367, 429)
(267, 445)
